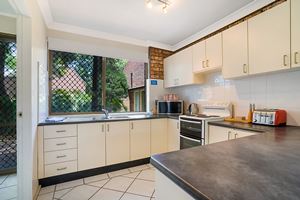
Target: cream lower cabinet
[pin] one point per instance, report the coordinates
(173, 135)
(295, 33)
(235, 51)
(139, 139)
(91, 145)
(117, 142)
(159, 136)
(269, 40)
(220, 134)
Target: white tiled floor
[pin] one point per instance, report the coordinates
(135, 183)
(8, 187)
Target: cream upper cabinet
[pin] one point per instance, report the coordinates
(139, 139)
(199, 57)
(269, 40)
(207, 54)
(91, 145)
(117, 142)
(214, 52)
(295, 40)
(179, 69)
(173, 135)
(235, 51)
(159, 136)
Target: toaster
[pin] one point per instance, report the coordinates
(271, 117)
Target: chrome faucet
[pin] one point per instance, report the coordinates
(106, 113)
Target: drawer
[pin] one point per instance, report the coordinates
(60, 156)
(60, 144)
(60, 168)
(58, 131)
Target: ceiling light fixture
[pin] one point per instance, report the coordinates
(165, 4)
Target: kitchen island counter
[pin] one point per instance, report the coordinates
(263, 166)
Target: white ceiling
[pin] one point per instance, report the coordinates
(6, 8)
(132, 19)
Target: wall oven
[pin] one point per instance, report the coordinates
(191, 132)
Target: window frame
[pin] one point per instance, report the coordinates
(103, 93)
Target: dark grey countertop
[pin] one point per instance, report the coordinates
(108, 120)
(243, 126)
(264, 166)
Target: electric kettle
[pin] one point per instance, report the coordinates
(193, 109)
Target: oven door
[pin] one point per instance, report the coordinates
(191, 128)
(186, 142)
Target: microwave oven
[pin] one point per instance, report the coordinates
(169, 107)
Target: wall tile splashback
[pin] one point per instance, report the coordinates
(278, 90)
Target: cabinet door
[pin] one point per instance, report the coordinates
(199, 57)
(117, 142)
(235, 51)
(218, 134)
(243, 133)
(214, 52)
(173, 135)
(184, 67)
(295, 9)
(159, 136)
(269, 40)
(169, 65)
(139, 139)
(91, 145)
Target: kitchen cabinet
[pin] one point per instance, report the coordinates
(235, 51)
(207, 54)
(269, 40)
(173, 135)
(117, 142)
(295, 33)
(220, 134)
(139, 139)
(91, 145)
(199, 56)
(178, 69)
(159, 136)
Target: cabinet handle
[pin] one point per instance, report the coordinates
(60, 169)
(296, 55)
(131, 125)
(207, 65)
(285, 57)
(235, 136)
(102, 128)
(229, 132)
(245, 69)
(63, 156)
(61, 131)
(203, 64)
(107, 127)
(60, 144)
(177, 125)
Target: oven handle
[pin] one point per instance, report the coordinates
(199, 141)
(194, 122)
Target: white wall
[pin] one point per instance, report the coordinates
(8, 25)
(63, 41)
(278, 90)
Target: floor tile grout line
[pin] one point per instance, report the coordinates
(152, 194)
(4, 179)
(7, 186)
(130, 185)
(100, 188)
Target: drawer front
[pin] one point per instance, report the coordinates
(60, 156)
(60, 168)
(60, 144)
(58, 131)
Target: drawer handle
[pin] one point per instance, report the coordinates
(235, 136)
(60, 169)
(285, 62)
(60, 144)
(245, 69)
(296, 57)
(61, 131)
(62, 156)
